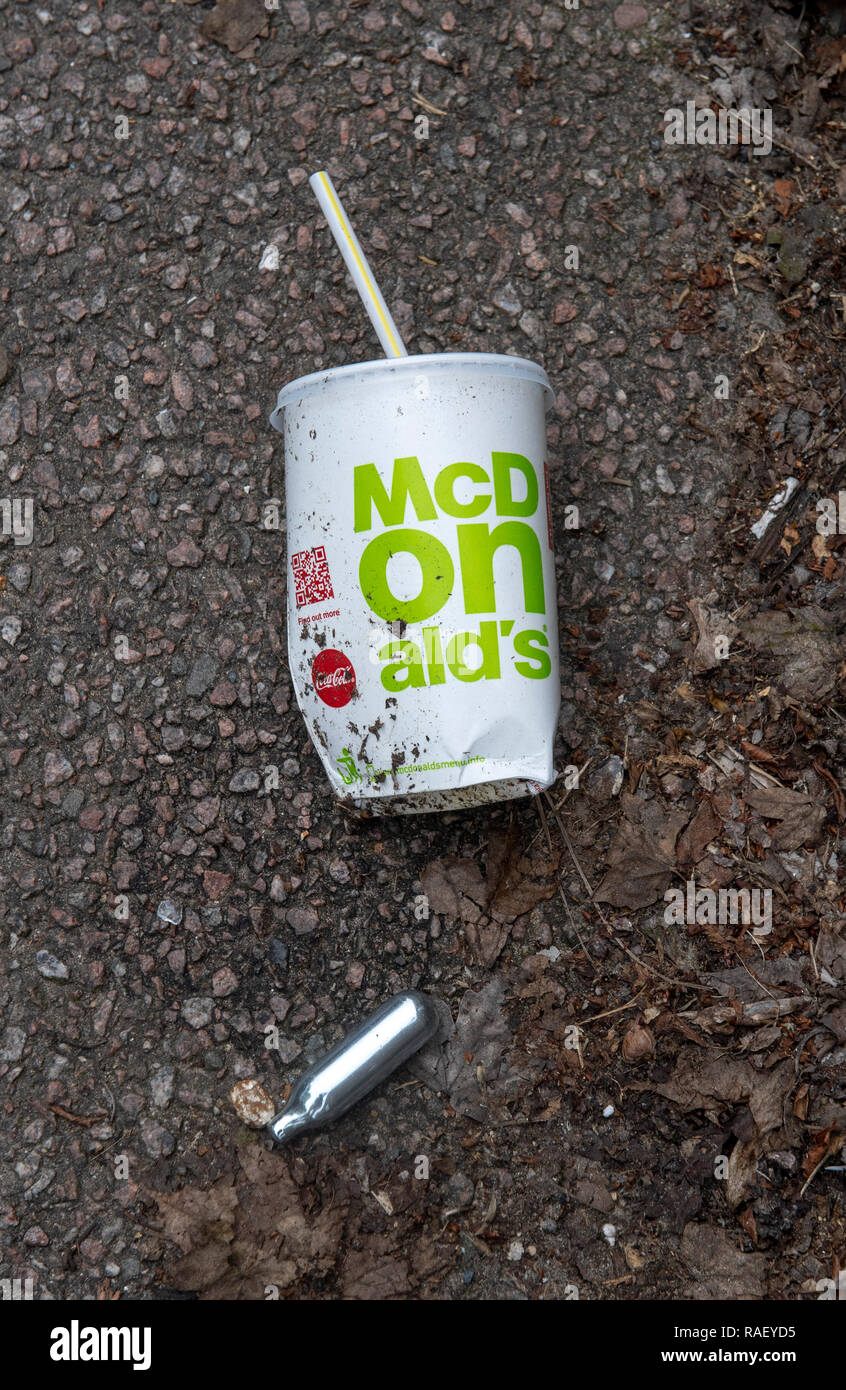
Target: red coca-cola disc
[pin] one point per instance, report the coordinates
(333, 677)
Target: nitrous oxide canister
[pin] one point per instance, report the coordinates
(362, 1059)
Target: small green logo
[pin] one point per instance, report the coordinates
(348, 770)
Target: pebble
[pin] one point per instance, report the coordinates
(176, 276)
(202, 676)
(224, 982)
(279, 953)
(168, 427)
(50, 967)
(245, 780)
(20, 577)
(31, 238)
(156, 1140)
(56, 769)
(10, 630)
(186, 553)
(13, 1045)
(532, 327)
(169, 911)
(197, 1011)
(664, 481)
(304, 920)
(630, 16)
(564, 312)
(506, 299)
(355, 974)
(216, 884)
(161, 1086)
(252, 1103)
(10, 421)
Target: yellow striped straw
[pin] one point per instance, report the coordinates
(356, 262)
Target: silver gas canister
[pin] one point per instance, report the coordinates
(362, 1059)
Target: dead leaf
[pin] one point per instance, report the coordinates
(527, 883)
(370, 1278)
(800, 1102)
(762, 1011)
(687, 693)
(781, 973)
(702, 1084)
(446, 881)
(248, 1231)
(800, 817)
(790, 537)
(783, 189)
(712, 627)
(819, 546)
(835, 1022)
(779, 38)
(756, 752)
(742, 1163)
(486, 940)
(642, 858)
(719, 1269)
(824, 1143)
(488, 905)
(234, 23)
(831, 954)
(202, 1224)
(499, 1071)
(705, 827)
(710, 276)
(806, 643)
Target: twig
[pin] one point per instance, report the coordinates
(683, 984)
(427, 105)
(580, 773)
(608, 1012)
(755, 977)
(829, 1150)
(572, 853)
(542, 814)
(668, 979)
(85, 1120)
(813, 958)
(576, 930)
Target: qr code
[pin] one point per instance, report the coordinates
(312, 581)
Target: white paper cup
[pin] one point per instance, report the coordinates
(422, 613)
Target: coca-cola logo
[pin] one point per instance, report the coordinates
(333, 677)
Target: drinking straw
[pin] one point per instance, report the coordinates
(356, 263)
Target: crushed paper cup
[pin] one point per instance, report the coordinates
(422, 611)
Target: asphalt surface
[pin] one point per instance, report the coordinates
(144, 690)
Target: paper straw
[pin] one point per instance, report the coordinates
(356, 263)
